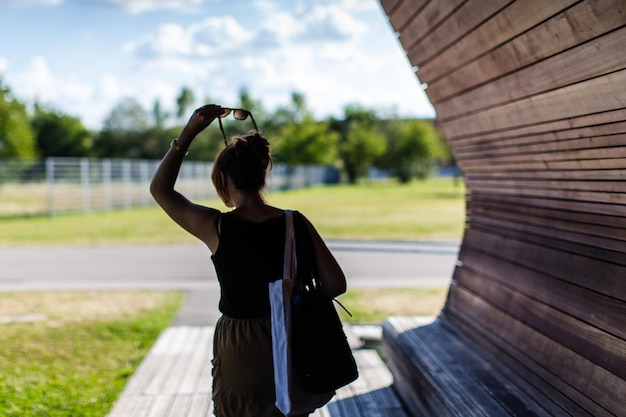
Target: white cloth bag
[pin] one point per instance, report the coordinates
(290, 398)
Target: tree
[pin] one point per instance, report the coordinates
(298, 138)
(308, 142)
(360, 141)
(123, 132)
(158, 114)
(17, 138)
(358, 150)
(59, 134)
(184, 100)
(413, 149)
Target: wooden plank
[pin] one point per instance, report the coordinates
(596, 345)
(550, 228)
(593, 96)
(182, 359)
(371, 395)
(558, 128)
(389, 5)
(378, 382)
(565, 196)
(180, 406)
(601, 311)
(427, 19)
(533, 201)
(595, 164)
(201, 357)
(611, 227)
(467, 332)
(551, 241)
(512, 21)
(528, 209)
(144, 404)
(513, 234)
(161, 405)
(615, 137)
(455, 373)
(591, 175)
(404, 12)
(415, 385)
(600, 153)
(201, 406)
(505, 142)
(600, 186)
(602, 277)
(583, 138)
(548, 56)
(598, 390)
(168, 359)
(469, 15)
(598, 57)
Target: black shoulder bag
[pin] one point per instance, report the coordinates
(321, 353)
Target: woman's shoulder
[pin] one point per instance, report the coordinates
(261, 216)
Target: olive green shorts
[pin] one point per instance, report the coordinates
(243, 372)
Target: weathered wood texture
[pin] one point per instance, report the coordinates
(531, 96)
(174, 380)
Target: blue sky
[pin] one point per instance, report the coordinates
(84, 56)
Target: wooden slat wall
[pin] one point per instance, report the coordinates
(531, 96)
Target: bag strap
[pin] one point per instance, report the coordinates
(290, 261)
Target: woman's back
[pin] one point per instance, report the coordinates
(249, 256)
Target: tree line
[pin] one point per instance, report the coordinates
(362, 138)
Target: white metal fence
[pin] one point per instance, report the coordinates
(63, 185)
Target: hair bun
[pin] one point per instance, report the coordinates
(254, 145)
(245, 161)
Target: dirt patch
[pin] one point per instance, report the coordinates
(406, 302)
(78, 306)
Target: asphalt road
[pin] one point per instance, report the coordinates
(189, 268)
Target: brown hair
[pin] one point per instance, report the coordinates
(245, 162)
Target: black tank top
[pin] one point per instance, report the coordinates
(249, 256)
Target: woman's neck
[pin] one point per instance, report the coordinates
(252, 206)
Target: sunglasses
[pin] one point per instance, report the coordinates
(239, 114)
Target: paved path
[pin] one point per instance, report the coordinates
(188, 267)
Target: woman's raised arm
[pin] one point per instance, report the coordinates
(198, 220)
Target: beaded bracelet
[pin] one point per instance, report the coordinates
(174, 144)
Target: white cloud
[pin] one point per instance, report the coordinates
(284, 52)
(169, 40)
(219, 34)
(210, 38)
(4, 65)
(128, 6)
(36, 81)
(28, 2)
(330, 23)
(141, 6)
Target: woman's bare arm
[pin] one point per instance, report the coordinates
(198, 220)
(331, 275)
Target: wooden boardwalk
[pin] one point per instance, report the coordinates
(174, 380)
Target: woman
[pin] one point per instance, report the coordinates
(247, 244)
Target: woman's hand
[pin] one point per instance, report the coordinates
(199, 120)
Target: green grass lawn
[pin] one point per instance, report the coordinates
(433, 209)
(78, 358)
